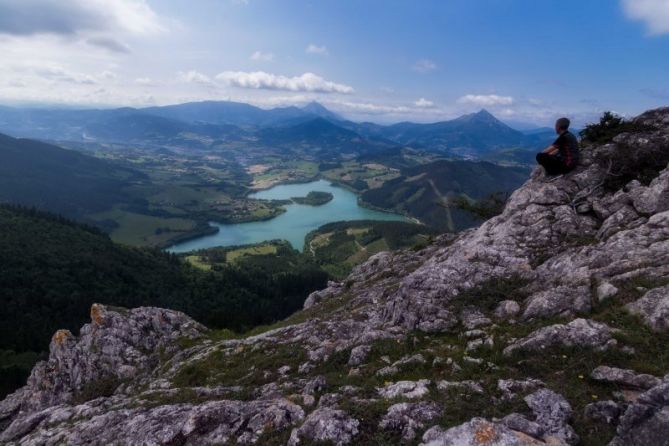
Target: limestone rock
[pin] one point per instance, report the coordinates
(467, 386)
(115, 346)
(625, 377)
(577, 333)
(477, 431)
(405, 389)
(604, 411)
(319, 296)
(552, 413)
(646, 421)
(559, 301)
(511, 387)
(408, 418)
(359, 354)
(326, 424)
(654, 198)
(208, 423)
(653, 308)
(606, 291)
(519, 423)
(507, 309)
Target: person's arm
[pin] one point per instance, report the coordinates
(551, 150)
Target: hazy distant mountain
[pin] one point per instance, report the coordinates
(36, 174)
(477, 132)
(122, 125)
(322, 136)
(226, 112)
(317, 109)
(200, 124)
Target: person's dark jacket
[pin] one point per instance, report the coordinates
(567, 145)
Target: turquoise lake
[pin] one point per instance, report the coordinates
(294, 224)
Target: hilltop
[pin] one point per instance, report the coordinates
(548, 324)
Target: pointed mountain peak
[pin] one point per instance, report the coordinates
(483, 113)
(316, 108)
(482, 116)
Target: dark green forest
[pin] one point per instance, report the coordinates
(59, 180)
(53, 269)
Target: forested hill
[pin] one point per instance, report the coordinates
(429, 192)
(59, 180)
(54, 269)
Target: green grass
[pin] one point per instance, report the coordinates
(143, 230)
(245, 367)
(256, 250)
(198, 262)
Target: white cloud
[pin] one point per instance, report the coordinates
(68, 17)
(146, 81)
(263, 57)
(59, 73)
(424, 103)
(654, 13)
(369, 108)
(99, 23)
(194, 77)
(109, 44)
(424, 66)
(308, 82)
(485, 100)
(108, 75)
(315, 49)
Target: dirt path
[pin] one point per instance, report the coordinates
(443, 202)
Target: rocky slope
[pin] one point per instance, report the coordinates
(545, 325)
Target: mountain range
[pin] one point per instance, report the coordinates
(204, 124)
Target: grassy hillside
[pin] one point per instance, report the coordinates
(427, 192)
(340, 246)
(53, 269)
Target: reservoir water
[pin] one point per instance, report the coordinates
(294, 224)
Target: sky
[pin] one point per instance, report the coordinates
(526, 61)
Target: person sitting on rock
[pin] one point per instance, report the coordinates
(561, 156)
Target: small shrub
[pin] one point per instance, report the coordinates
(627, 163)
(490, 293)
(609, 126)
(102, 387)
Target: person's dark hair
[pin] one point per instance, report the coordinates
(562, 123)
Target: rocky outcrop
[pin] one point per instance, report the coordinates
(552, 413)
(646, 421)
(408, 418)
(117, 348)
(577, 333)
(326, 424)
(625, 377)
(462, 328)
(99, 423)
(653, 308)
(478, 431)
(405, 389)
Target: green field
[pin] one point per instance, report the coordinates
(144, 230)
(255, 250)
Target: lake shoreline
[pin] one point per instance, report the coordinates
(293, 224)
